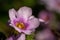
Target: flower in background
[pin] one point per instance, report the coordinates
(53, 5)
(45, 16)
(47, 19)
(45, 34)
(23, 21)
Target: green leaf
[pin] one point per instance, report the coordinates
(30, 37)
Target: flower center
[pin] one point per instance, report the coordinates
(20, 25)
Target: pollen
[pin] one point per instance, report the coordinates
(20, 25)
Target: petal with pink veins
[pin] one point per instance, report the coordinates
(28, 32)
(33, 23)
(24, 12)
(12, 14)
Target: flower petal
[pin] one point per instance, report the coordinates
(16, 28)
(31, 17)
(10, 38)
(33, 23)
(24, 12)
(12, 13)
(41, 20)
(45, 15)
(45, 34)
(22, 37)
(28, 32)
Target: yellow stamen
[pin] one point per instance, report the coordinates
(20, 25)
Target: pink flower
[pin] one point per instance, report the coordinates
(45, 16)
(23, 21)
(45, 34)
(52, 4)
